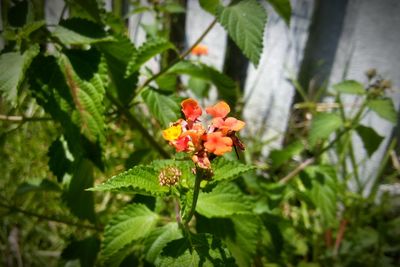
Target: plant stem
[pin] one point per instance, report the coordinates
(135, 123)
(196, 191)
(22, 118)
(180, 58)
(49, 218)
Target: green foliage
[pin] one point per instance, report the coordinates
(283, 8)
(163, 107)
(384, 108)
(350, 87)
(130, 224)
(80, 202)
(12, 71)
(280, 156)
(245, 21)
(141, 179)
(223, 201)
(226, 170)
(159, 238)
(85, 250)
(322, 126)
(77, 31)
(147, 51)
(370, 138)
(227, 88)
(210, 5)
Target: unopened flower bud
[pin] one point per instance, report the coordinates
(385, 84)
(371, 73)
(169, 176)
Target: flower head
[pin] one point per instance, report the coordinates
(200, 50)
(191, 136)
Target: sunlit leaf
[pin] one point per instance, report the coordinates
(384, 108)
(322, 126)
(350, 87)
(245, 21)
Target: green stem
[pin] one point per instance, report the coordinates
(196, 191)
(22, 118)
(180, 58)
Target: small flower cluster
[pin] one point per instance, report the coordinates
(202, 143)
(169, 176)
(199, 50)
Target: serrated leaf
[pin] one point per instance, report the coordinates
(227, 88)
(159, 238)
(227, 170)
(370, 138)
(322, 126)
(128, 225)
(243, 245)
(164, 108)
(350, 87)
(12, 71)
(384, 108)
(77, 31)
(245, 22)
(148, 50)
(223, 201)
(79, 201)
(117, 56)
(210, 5)
(140, 179)
(31, 27)
(89, 9)
(283, 8)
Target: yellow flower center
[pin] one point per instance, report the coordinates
(172, 133)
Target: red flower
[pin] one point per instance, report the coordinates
(219, 110)
(218, 144)
(191, 109)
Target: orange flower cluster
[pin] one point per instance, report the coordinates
(200, 50)
(204, 143)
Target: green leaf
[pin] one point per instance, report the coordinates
(199, 87)
(132, 223)
(79, 201)
(323, 191)
(384, 108)
(223, 201)
(227, 170)
(117, 56)
(164, 108)
(350, 87)
(282, 156)
(12, 71)
(283, 8)
(159, 238)
(322, 126)
(370, 138)
(140, 179)
(210, 5)
(195, 250)
(77, 31)
(43, 185)
(185, 166)
(85, 250)
(88, 91)
(243, 245)
(227, 88)
(245, 22)
(89, 9)
(148, 50)
(59, 161)
(240, 233)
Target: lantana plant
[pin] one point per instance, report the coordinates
(200, 140)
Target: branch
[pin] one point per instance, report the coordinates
(296, 171)
(180, 58)
(49, 218)
(13, 118)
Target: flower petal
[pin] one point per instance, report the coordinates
(219, 110)
(172, 133)
(218, 144)
(234, 124)
(191, 109)
(199, 50)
